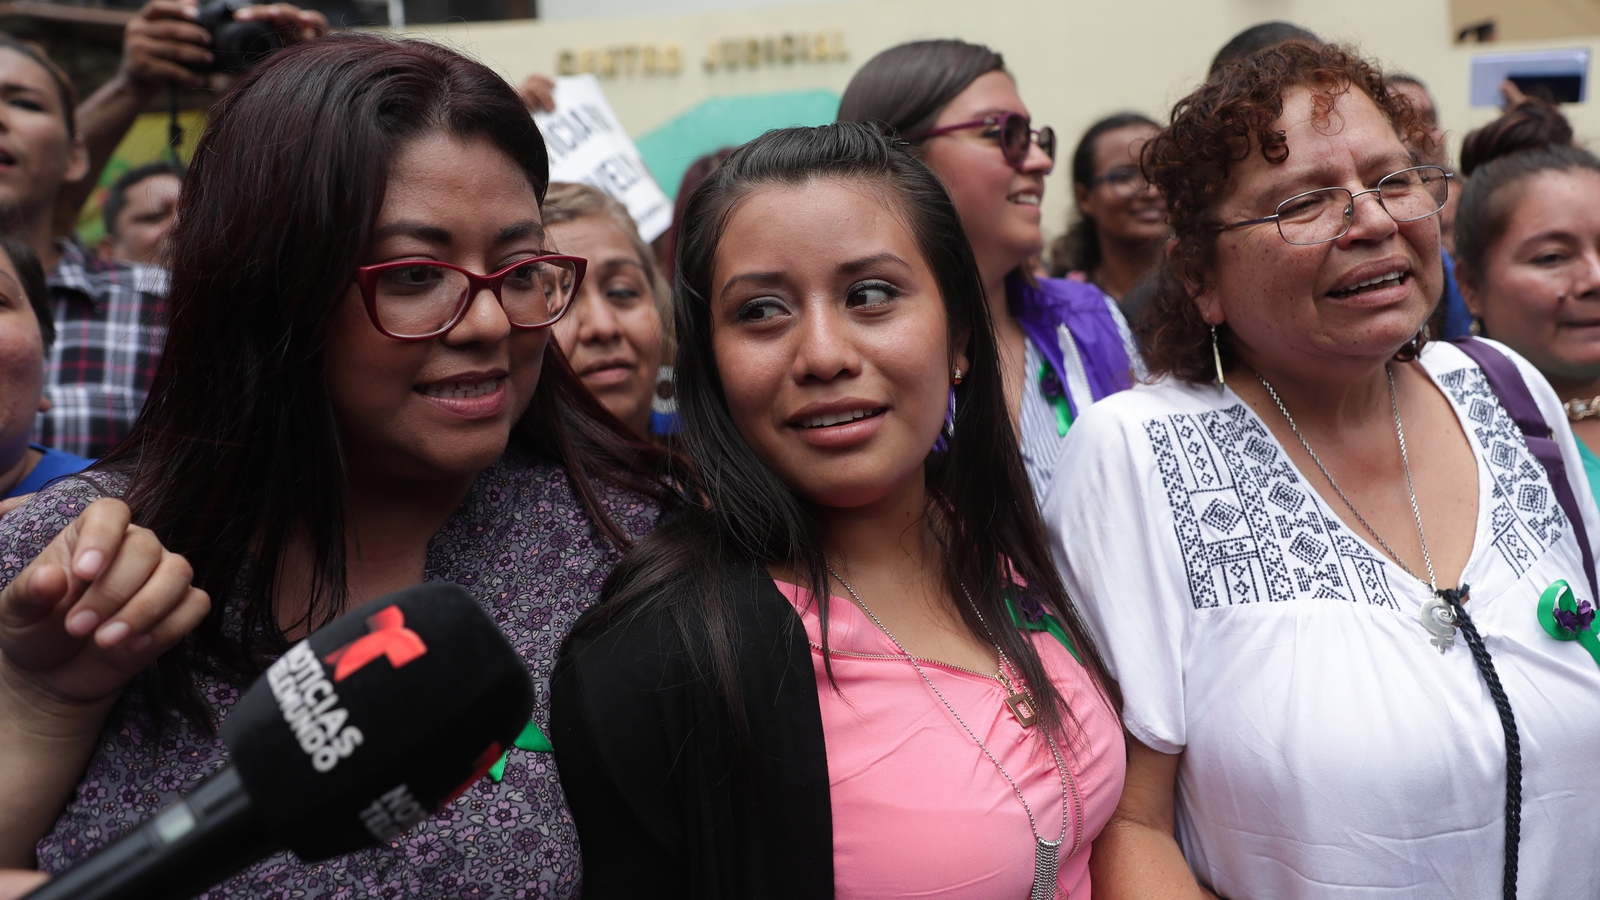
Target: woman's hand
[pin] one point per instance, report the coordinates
(100, 603)
(538, 93)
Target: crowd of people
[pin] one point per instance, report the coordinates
(1237, 544)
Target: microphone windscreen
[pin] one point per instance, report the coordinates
(378, 719)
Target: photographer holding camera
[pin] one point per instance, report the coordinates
(165, 46)
(110, 316)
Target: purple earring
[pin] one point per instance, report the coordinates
(942, 442)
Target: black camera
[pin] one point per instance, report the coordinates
(235, 46)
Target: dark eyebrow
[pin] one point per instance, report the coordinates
(430, 233)
(1550, 234)
(520, 230)
(433, 234)
(849, 268)
(1320, 177)
(865, 262)
(758, 278)
(18, 86)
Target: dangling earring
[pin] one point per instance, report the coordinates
(958, 375)
(1216, 356)
(942, 442)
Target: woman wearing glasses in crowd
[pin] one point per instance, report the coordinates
(358, 394)
(1122, 222)
(1528, 236)
(1063, 344)
(925, 730)
(1347, 610)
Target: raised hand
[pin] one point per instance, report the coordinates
(100, 603)
(162, 43)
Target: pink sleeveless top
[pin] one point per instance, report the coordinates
(918, 810)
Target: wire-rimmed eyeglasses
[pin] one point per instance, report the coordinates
(417, 299)
(1325, 214)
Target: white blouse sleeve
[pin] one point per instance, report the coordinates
(1113, 537)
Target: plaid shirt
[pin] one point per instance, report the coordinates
(111, 322)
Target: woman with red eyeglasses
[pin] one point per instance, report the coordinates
(1063, 344)
(359, 393)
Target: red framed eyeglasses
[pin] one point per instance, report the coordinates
(417, 299)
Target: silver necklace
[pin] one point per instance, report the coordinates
(1437, 617)
(1046, 854)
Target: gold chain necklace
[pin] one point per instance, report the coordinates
(1578, 410)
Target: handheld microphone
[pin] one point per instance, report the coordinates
(360, 731)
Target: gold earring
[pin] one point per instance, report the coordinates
(958, 375)
(1216, 356)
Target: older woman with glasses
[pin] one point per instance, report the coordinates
(1063, 344)
(1342, 575)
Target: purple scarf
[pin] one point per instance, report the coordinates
(1082, 308)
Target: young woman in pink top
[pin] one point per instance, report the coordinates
(927, 731)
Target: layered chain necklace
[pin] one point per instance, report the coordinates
(1438, 616)
(1046, 854)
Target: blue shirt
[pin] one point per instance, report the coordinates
(1457, 320)
(55, 464)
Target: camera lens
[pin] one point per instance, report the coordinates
(235, 46)
(238, 45)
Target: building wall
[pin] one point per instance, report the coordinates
(1074, 60)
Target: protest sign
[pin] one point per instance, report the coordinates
(587, 144)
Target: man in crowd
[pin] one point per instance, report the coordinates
(139, 211)
(109, 315)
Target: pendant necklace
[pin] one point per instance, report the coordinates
(1046, 854)
(1437, 616)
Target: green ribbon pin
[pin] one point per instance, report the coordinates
(1046, 622)
(1055, 393)
(1565, 619)
(531, 739)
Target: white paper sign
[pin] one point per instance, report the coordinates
(587, 145)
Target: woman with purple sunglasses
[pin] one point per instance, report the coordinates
(1063, 344)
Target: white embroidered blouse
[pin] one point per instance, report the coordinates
(1329, 750)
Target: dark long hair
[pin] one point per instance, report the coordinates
(905, 87)
(237, 448)
(1078, 249)
(979, 499)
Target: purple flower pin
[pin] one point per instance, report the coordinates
(1033, 610)
(1575, 621)
(1050, 384)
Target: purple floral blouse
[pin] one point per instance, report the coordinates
(523, 545)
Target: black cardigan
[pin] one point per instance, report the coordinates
(666, 803)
